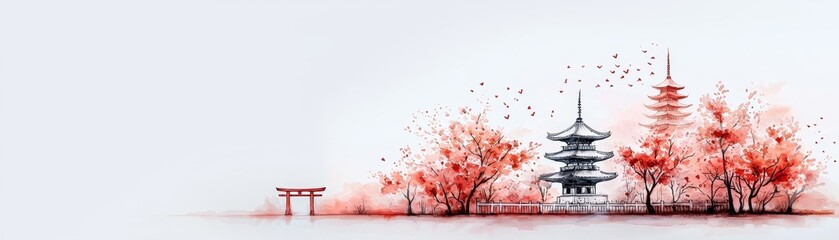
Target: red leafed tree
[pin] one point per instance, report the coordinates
(684, 178)
(655, 162)
(464, 156)
(805, 176)
(630, 185)
(723, 129)
(523, 186)
(400, 179)
(710, 170)
(767, 162)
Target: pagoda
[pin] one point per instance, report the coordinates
(579, 176)
(667, 108)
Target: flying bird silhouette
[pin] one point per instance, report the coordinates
(521, 91)
(615, 56)
(599, 66)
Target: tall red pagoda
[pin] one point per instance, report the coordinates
(668, 110)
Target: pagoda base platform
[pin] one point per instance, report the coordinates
(583, 198)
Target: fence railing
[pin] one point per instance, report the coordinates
(597, 208)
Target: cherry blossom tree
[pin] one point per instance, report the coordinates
(722, 131)
(711, 180)
(399, 181)
(805, 176)
(655, 162)
(462, 157)
(768, 160)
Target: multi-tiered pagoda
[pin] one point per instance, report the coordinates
(667, 108)
(579, 176)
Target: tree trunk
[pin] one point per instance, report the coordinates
(727, 180)
(650, 208)
(448, 204)
(410, 210)
(469, 199)
(410, 200)
(790, 201)
(750, 203)
(731, 209)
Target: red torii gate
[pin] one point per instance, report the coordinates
(299, 192)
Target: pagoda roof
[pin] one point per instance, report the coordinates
(668, 83)
(578, 130)
(672, 113)
(666, 123)
(578, 176)
(570, 156)
(668, 95)
(660, 104)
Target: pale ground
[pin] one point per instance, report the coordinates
(476, 227)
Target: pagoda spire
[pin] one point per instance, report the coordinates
(668, 62)
(580, 105)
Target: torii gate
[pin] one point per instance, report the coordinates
(299, 192)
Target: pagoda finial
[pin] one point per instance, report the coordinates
(668, 62)
(580, 105)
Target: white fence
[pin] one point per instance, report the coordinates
(597, 208)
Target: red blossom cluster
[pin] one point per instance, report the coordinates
(754, 166)
(460, 163)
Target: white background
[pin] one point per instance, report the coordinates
(123, 108)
